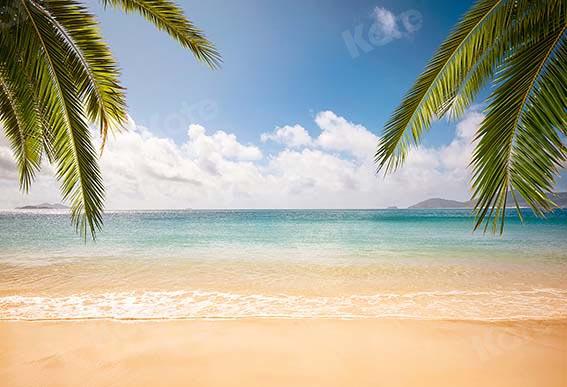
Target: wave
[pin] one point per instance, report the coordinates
(542, 303)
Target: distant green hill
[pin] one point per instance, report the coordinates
(44, 206)
(559, 198)
(441, 203)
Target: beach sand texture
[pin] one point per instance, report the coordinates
(272, 352)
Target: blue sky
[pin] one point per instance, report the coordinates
(284, 61)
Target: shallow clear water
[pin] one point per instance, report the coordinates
(284, 263)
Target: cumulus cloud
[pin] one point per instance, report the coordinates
(220, 143)
(293, 136)
(213, 169)
(337, 134)
(341, 135)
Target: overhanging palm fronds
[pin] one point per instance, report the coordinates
(57, 76)
(520, 46)
(96, 76)
(61, 102)
(18, 116)
(168, 17)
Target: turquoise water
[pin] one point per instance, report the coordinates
(352, 229)
(283, 263)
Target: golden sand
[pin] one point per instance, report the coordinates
(283, 353)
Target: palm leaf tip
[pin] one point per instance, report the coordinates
(169, 17)
(520, 148)
(19, 121)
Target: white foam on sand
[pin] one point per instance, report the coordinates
(544, 303)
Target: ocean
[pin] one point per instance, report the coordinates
(230, 264)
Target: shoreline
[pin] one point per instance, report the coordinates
(283, 352)
(560, 319)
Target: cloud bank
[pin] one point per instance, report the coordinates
(332, 168)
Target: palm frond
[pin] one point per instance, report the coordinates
(169, 17)
(19, 120)
(46, 54)
(529, 20)
(97, 73)
(19, 113)
(519, 147)
(57, 76)
(433, 91)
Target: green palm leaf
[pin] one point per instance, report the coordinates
(19, 113)
(519, 44)
(57, 76)
(77, 167)
(434, 89)
(96, 75)
(519, 147)
(168, 17)
(18, 116)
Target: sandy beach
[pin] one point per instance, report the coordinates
(272, 352)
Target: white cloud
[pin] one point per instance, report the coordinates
(340, 135)
(337, 134)
(293, 136)
(388, 27)
(220, 143)
(334, 169)
(387, 24)
(458, 152)
(7, 164)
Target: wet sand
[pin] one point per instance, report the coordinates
(255, 352)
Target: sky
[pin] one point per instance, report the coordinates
(292, 118)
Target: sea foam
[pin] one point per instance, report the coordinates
(543, 303)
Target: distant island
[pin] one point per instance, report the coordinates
(44, 206)
(392, 208)
(559, 198)
(442, 203)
